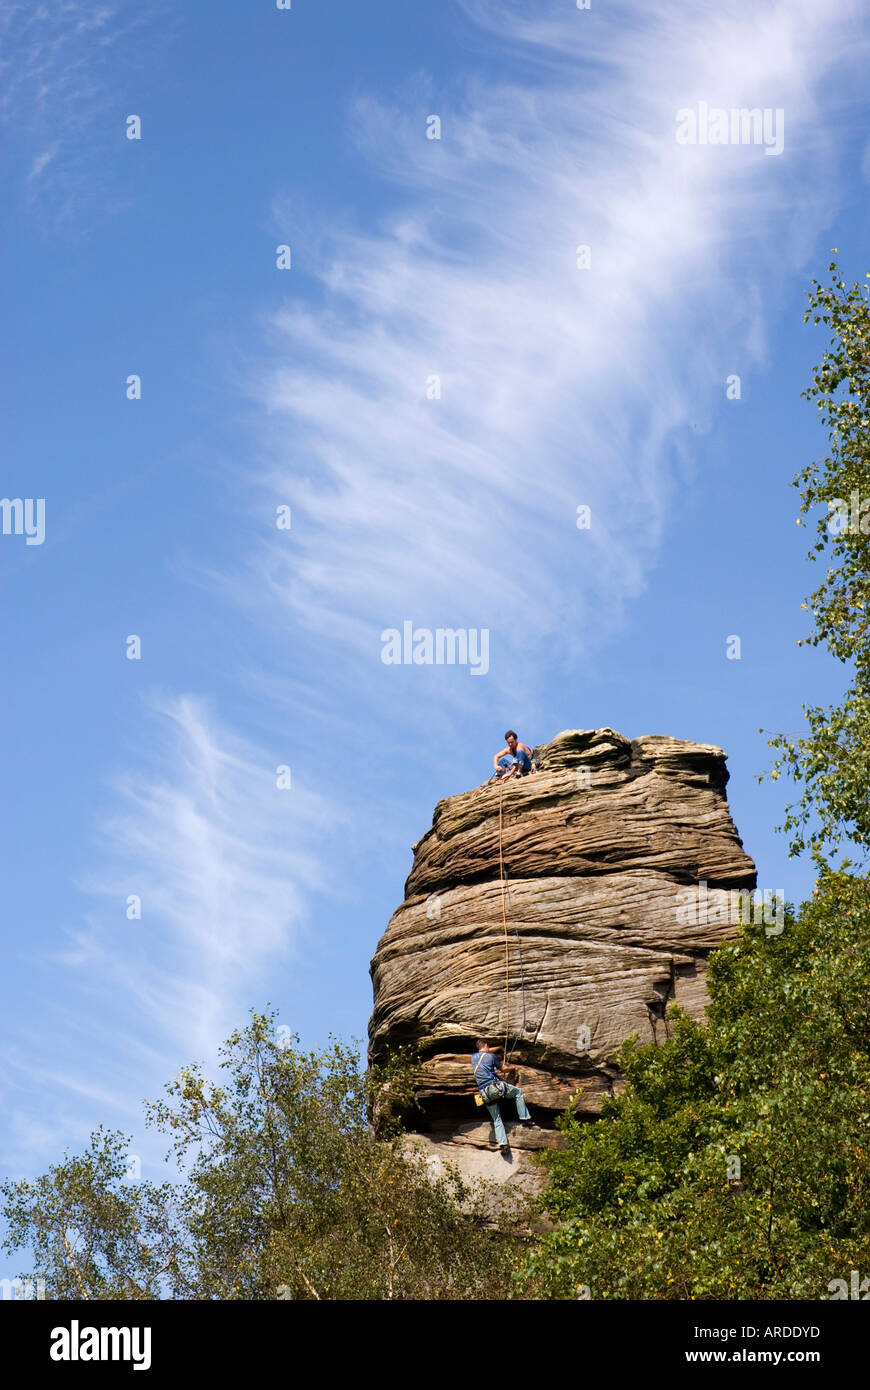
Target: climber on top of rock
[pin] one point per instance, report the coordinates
(513, 761)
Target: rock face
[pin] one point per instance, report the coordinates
(598, 924)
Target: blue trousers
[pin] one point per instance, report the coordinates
(520, 760)
(495, 1114)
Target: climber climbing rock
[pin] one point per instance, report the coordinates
(513, 761)
(485, 1065)
(658, 818)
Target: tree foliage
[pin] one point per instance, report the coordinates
(736, 1162)
(831, 761)
(286, 1194)
(93, 1235)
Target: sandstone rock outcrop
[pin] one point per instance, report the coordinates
(600, 848)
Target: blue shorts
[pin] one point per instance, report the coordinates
(520, 760)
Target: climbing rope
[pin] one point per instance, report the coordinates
(522, 970)
(507, 958)
(507, 906)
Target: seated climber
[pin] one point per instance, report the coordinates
(513, 761)
(485, 1064)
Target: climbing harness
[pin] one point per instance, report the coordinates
(484, 1096)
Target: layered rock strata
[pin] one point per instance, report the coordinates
(604, 850)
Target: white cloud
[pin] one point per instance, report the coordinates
(226, 866)
(559, 386)
(41, 162)
(222, 860)
(63, 67)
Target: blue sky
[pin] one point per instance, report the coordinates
(307, 387)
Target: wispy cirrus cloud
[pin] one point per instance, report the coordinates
(559, 386)
(225, 865)
(222, 859)
(63, 68)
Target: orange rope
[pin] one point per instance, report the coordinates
(507, 965)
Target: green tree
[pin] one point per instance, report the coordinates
(286, 1194)
(831, 761)
(736, 1162)
(93, 1235)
